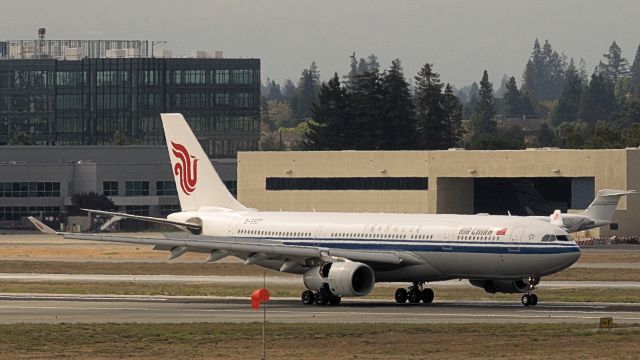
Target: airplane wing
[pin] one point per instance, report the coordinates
(179, 224)
(246, 248)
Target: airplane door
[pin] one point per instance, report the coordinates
(317, 236)
(515, 239)
(448, 238)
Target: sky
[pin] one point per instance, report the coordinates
(460, 38)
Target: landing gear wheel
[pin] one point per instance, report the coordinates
(335, 300)
(307, 297)
(321, 299)
(427, 296)
(526, 300)
(401, 296)
(415, 295)
(534, 299)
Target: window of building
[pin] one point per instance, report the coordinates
(69, 102)
(136, 188)
(111, 78)
(222, 76)
(244, 100)
(348, 183)
(243, 76)
(151, 78)
(16, 213)
(110, 188)
(29, 189)
(70, 78)
(222, 99)
(142, 210)
(166, 188)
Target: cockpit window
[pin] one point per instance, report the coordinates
(548, 238)
(563, 238)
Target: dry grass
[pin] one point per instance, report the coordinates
(309, 341)
(459, 293)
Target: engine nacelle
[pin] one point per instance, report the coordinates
(501, 286)
(341, 278)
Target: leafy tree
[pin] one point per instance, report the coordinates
(546, 137)
(331, 125)
(635, 73)
(616, 66)
(628, 112)
(483, 118)
(90, 200)
(569, 101)
(632, 136)
(605, 136)
(118, 138)
(397, 107)
(598, 101)
(573, 135)
(21, 138)
(501, 140)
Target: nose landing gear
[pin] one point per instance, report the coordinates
(414, 294)
(530, 299)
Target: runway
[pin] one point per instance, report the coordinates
(28, 308)
(280, 280)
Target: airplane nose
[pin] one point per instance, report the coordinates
(571, 258)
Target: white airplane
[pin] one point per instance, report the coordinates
(599, 213)
(345, 254)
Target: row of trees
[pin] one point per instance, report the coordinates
(373, 110)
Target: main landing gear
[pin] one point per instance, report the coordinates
(414, 294)
(530, 299)
(320, 298)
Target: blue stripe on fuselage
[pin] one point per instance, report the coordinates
(444, 247)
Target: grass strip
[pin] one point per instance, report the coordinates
(282, 290)
(328, 341)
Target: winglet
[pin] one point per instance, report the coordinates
(41, 226)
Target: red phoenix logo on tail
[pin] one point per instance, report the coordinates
(186, 168)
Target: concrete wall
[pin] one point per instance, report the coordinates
(450, 175)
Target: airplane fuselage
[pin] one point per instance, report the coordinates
(451, 246)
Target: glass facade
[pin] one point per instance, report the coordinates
(136, 188)
(99, 101)
(29, 189)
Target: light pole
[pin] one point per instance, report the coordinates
(154, 43)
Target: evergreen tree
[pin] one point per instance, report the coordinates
(288, 90)
(372, 63)
(472, 101)
(483, 118)
(431, 125)
(512, 98)
(616, 65)
(306, 92)
(398, 127)
(635, 73)
(330, 128)
(453, 112)
(598, 101)
(569, 101)
(367, 99)
(274, 92)
(503, 86)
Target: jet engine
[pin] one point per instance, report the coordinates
(341, 278)
(501, 286)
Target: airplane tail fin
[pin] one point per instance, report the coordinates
(604, 205)
(197, 182)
